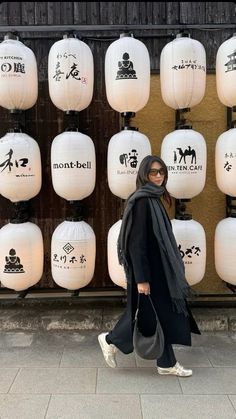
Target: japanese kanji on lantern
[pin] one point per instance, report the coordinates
(21, 255)
(70, 74)
(18, 75)
(20, 163)
(185, 154)
(73, 165)
(127, 74)
(73, 250)
(225, 162)
(125, 153)
(225, 72)
(183, 72)
(116, 271)
(191, 240)
(225, 250)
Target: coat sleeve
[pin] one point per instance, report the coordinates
(138, 241)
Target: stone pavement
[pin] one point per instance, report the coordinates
(62, 374)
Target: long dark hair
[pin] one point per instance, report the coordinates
(143, 171)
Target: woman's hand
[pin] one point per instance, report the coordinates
(144, 288)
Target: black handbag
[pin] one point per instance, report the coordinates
(148, 347)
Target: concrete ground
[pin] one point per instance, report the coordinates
(62, 374)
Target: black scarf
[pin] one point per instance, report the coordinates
(172, 262)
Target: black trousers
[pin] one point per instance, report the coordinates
(167, 359)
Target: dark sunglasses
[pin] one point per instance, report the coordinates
(154, 172)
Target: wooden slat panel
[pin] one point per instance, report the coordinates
(27, 13)
(192, 12)
(80, 13)
(41, 13)
(93, 13)
(133, 13)
(67, 12)
(113, 13)
(220, 12)
(4, 15)
(14, 13)
(54, 13)
(159, 13)
(172, 13)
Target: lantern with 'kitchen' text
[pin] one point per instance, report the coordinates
(127, 74)
(20, 163)
(21, 255)
(116, 271)
(18, 75)
(191, 240)
(73, 165)
(73, 249)
(126, 150)
(183, 72)
(184, 152)
(70, 74)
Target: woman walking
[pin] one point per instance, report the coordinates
(153, 266)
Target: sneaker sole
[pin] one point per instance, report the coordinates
(101, 345)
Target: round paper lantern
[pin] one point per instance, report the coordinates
(20, 167)
(191, 240)
(225, 250)
(18, 75)
(127, 74)
(126, 150)
(73, 165)
(70, 74)
(73, 250)
(225, 162)
(21, 255)
(183, 72)
(116, 271)
(184, 152)
(225, 72)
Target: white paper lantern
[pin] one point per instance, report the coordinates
(73, 165)
(183, 72)
(191, 240)
(126, 150)
(225, 72)
(225, 162)
(73, 251)
(20, 167)
(21, 255)
(116, 271)
(184, 152)
(70, 74)
(225, 250)
(127, 74)
(18, 75)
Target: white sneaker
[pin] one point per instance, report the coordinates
(177, 369)
(109, 351)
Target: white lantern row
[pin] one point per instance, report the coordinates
(73, 250)
(18, 75)
(73, 165)
(70, 74)
(183, 72)
(116, 271)
(184, 152)
(225, 250)
(126, 150)
(20, 163)
(127, 74)
(21, 255)
(191, 240)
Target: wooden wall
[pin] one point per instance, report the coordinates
(98, 24)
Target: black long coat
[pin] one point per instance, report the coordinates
(146, 265)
